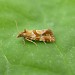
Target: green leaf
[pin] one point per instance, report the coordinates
(24, 58)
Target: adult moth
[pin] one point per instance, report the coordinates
(45, 35)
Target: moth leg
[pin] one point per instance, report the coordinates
(31, 41)
(24, 41)
(44, 42)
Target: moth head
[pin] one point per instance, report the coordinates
(22, 34)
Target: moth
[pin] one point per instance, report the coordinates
(45, 35)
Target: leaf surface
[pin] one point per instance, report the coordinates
(19, 57)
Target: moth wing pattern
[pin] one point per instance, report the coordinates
(45, 35)
(34, 31)
(48, 36)
(48, 32)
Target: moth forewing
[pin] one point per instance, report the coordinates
(45, 35)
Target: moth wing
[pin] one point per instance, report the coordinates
(48, 32)
(43, 32)
(36, 33)
(40, 31)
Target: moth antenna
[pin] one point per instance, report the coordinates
(17, 26)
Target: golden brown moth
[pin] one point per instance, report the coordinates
(45, 35)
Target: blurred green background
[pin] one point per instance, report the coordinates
(56, 58)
